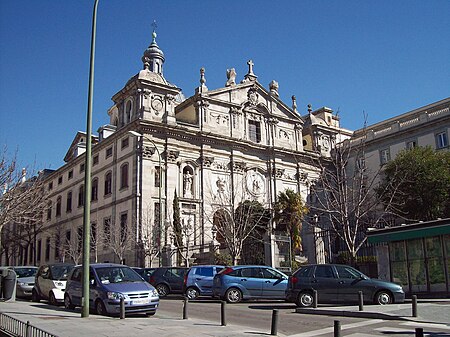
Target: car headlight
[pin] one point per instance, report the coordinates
(58, 284)
(115, 296)
(154, 293)
(21, 283)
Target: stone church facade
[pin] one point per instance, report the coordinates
(212, 150)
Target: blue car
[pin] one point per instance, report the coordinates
(238, 283)
(108, 284)
(198, 280)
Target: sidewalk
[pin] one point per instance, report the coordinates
(63, 323)
(429, 311)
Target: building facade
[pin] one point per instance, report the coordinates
(208, 152)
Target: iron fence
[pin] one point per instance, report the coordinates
(14, 327)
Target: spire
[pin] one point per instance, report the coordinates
(153, 58)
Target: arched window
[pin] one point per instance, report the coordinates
(108, 183)
(94, 189)
(124, 176)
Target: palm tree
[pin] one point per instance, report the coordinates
(289, 212)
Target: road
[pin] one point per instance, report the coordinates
(259, 316)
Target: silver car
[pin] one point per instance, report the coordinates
(25, 280)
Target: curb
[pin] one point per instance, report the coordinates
(346, 313)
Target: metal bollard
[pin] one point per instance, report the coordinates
(361, 300)
(28, 329)
(337, 328)
(274, 329)
(223, 314)
(414, 305)
(185, 307)
(419, 332)
(122, 308)
(315, 299)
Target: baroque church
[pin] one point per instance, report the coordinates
(163, 156)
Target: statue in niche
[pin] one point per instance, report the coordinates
(187, 187)
(231, 77)
(220, 185)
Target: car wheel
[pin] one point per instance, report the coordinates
(68, 303)
(100, 308)
(192, 293)
(35, 296)
(383, 297)
(305, 299)
(233, 295)
(52, 299)
(162, 289)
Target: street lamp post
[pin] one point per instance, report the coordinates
(136, 134)
(87, 175)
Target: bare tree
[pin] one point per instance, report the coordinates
(237, 216)
(22, 201)
(344, 197)
(121, 237)
(150, 236)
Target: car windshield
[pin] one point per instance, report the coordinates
(25, 272)
(61, 272)
(117, 275)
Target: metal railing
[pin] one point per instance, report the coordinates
(14, 327)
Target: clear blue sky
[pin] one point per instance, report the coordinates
(381, 57)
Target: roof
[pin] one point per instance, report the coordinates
(410, 231)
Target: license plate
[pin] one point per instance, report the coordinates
(140, 301)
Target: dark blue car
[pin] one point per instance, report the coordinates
(109, 283)
(238, 283)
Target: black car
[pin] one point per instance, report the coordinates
(336, 283)
(145, 273)
(168, 280)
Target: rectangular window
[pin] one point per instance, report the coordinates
(411, 145)
(106, 232)
(254, 131)
(69, 202)
(81, 196)
(49, 210)
(50, 186)
(124, 176)
(70, 175)
(123, 227)
(60, 180)
(108, 152)
(47, 249)
(93, 236)
(157, 176)
(79, 239)
(95, 160)
(81, 168)
(441, 140)
(57, 247)
(58, 206)
(38, 251)
(385, 156)
(125, 143)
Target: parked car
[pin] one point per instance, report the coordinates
(238, 283)
(108, 284)
(339, 283)
(25, 280)
(168, 280)
(198, 280)
(50, 282)
(145, 273)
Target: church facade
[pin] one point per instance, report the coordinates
(208, 153)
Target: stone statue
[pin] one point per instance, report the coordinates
(187, 188)
(231, 77)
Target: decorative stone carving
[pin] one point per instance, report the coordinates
(302, 176)
(148, 151)
(172, 155)
(283, 134)
(294, 104)
(239, 166)
(279, 173)
(207, 161)
(220, 166)
(255, 183)
(231, 77)
(220, 118)
(253, 97)
(157, 104)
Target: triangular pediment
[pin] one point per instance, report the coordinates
(78, 146)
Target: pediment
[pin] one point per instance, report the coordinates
(78, 146)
